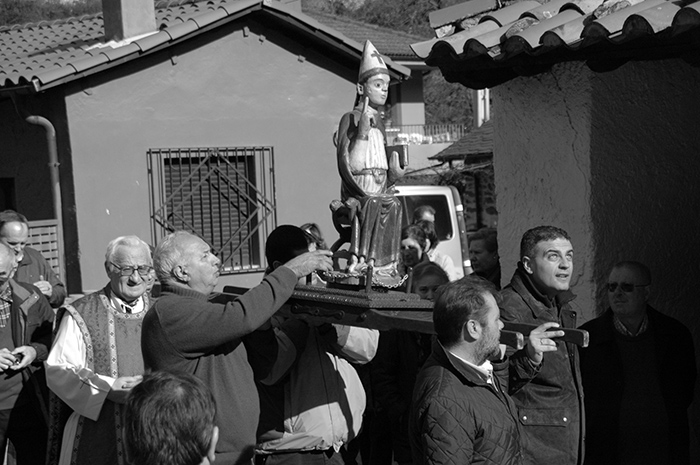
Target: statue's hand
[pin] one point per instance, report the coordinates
(366, 121)
(395, 170)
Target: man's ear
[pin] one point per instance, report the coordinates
(471, 330)
(180, 273)
(211, 452)
(526, 264)
(276, 264)
(427, 245)
(360, 89)
(647, 293)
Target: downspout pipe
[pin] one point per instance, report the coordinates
(55, 179)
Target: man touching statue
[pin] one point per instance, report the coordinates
(367, 172)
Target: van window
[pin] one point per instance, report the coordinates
(443, 225)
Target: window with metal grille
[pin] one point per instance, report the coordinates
(226, 196)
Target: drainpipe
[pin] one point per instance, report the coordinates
(55, 180)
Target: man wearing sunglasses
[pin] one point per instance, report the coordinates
(96, 359)
(638, 375)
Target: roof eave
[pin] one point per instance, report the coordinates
(345, 45)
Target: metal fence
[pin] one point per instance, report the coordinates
(416, 134)
(44, 237)
(226, 196)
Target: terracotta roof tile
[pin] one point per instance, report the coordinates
(394, 44)
(51, 51)
(524, 39)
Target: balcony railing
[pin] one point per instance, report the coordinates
(416, 134)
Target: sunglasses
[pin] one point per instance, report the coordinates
(625, 287)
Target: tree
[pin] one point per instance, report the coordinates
(33, 11)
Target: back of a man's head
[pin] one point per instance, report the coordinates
(11, 216)
(534, 236)
(424, 212)
(169, 420)
(285, 243)
(458, 302)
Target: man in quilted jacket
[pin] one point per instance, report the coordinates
(461, 410)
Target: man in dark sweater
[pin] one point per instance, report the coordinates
(183, 331)
(638, 375)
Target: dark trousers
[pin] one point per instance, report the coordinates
(28, 432)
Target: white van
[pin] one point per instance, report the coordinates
(449, 218)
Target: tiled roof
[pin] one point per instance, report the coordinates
(36, 56)
(477, 142)
(395, 44)
(527, 38)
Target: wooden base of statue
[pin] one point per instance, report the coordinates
(391, 310)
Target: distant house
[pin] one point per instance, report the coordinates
(472, 156)
(595, 111)
(213, 116)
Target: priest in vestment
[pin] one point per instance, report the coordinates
(96, 359)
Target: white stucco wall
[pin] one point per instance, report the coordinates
(542, 169)
(226, 89)
(613, 159)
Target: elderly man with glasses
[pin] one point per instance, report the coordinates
(638, 375)
(96, 359)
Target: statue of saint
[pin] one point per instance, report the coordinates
(367, 173)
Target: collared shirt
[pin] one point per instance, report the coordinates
(622, 329)
(486, 368)
(136, 306)
(5, 305)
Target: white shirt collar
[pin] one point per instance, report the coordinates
(136, 307)
(485, 368)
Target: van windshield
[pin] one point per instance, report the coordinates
(443, 225)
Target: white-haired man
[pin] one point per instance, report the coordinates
(96, 359)
(185, 332)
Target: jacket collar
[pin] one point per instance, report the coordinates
(523, 285)
(26, 259)
(458, 367)
(607, 331)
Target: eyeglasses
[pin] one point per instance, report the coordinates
(625, 287)
(143, 270)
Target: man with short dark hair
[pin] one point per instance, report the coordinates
(169, 420)
(550, 406)
(461, 411)
(96, 359)
(311, 404)
(639, 376)
(26, 320)
(183, 331)
(32, 267)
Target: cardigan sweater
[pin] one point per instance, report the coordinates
(604, 384)
(184, 332)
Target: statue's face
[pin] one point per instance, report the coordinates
(377, 89)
